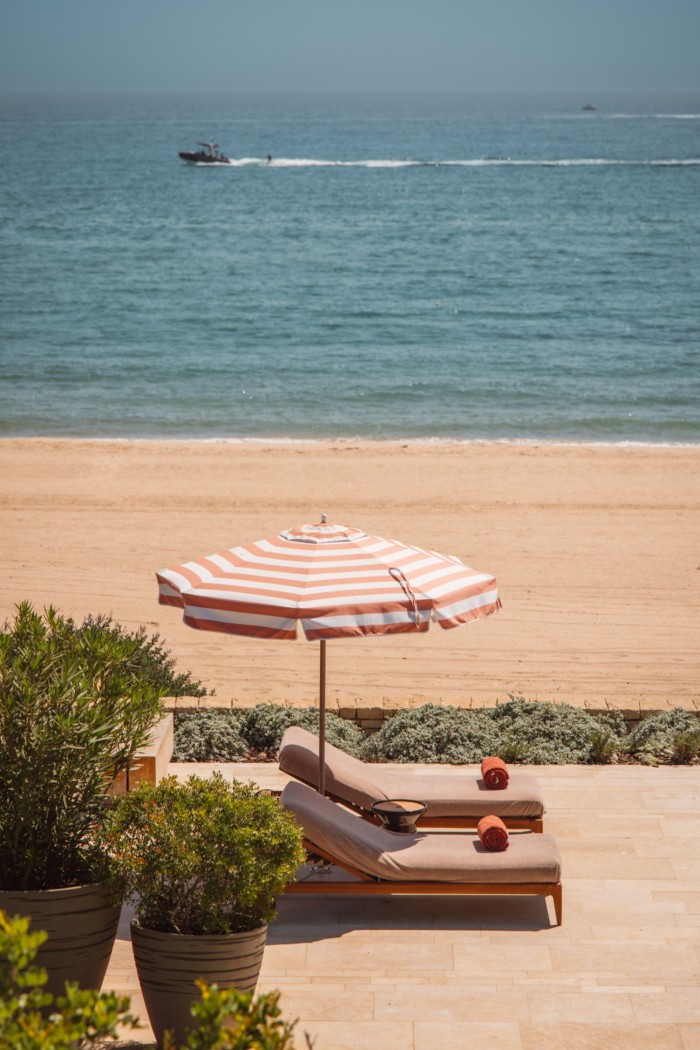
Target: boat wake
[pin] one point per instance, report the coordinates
(481, 162)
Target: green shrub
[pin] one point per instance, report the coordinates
(144, 659)
(206, 856)
(208, 736)
(433, 733)
(74, 710)
(262, 727)
(30, 1018)
(686, 747)
(605, 745)
(671, 736)
(550, 734)
(233, 1020)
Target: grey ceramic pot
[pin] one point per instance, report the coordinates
(168, 964)
(81, 922)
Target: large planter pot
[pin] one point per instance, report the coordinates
(168, 964)
(81, 922)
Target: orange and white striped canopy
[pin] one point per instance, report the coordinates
(336, 580)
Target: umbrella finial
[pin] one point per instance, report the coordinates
(324, 519)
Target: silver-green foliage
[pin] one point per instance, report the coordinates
(671, 736)
(545, 733)
(208, 736)
(517, 730)
(74, 710)
(216, 735)
(433, 733)
(263, 727)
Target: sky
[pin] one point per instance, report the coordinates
(328, 46)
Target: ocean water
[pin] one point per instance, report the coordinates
(415, 268)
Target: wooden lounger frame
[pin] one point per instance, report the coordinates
(535, 824)
(371, 885)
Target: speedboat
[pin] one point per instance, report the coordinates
(208, 154)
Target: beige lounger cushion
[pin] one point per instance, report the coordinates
(446, 795)
(429, 856)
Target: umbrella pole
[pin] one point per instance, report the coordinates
(322, 721)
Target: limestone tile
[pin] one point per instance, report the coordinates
(452, 1003)
(458, 1035)
(431, 936)
(581, 1007)
(519, 958)
(328, 1002)
(661, 886)
(689, 897)
(611, 845)
(468, 936)
(688, 849)
(591, 888)
(280, 981)
(610, 959)
(284, 957)
(685, 802)
(690, 1034)
(355, 1035)
(611, 984)
(606, 865)
(681, 826)
(485, 982)
(608, 913)
(612, 825)
(552, 980)
(369, 957)
(671, 933)
(687, 869)
(673, 1007)
(574, 928)
(595, 1036)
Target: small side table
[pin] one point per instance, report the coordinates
(399, 814)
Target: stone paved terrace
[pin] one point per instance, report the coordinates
(445, 973)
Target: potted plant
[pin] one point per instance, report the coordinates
(32, 1019)
(202, 861)
(74, 710)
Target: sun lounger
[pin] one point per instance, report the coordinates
(432, 862)
(455, 800)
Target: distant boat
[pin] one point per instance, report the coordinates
(209, 154)
(588, 108)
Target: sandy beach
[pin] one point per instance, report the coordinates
(595, 549)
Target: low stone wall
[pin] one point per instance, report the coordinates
(369, 719)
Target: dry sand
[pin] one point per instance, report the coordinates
(595, 549)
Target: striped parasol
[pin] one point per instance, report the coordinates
(337, 581)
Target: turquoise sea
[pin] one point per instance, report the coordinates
(463, 267)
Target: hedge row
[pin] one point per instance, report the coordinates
(520, 731)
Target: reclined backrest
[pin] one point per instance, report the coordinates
(359, 783)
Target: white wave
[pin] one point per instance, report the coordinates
(363, 440)
(477, 162)
(622, 116)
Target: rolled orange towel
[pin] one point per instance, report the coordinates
(494, 773)
(493, 834)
